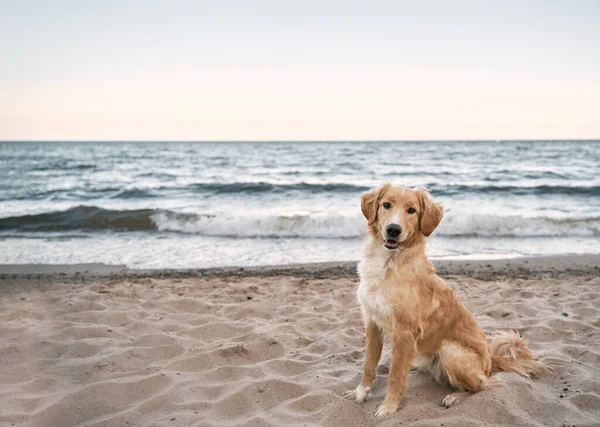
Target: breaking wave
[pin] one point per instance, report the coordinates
(324, 225)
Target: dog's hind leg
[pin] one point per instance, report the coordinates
(465, 370)
(453, 398)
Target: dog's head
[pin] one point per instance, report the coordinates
(394, 214)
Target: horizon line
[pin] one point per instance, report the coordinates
(313, 140)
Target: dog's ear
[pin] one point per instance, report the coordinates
(431, 213)
(369, 203)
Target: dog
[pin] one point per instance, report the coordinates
(403, 298)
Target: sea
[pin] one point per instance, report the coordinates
(209, 204)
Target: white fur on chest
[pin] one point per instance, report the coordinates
(372, 270)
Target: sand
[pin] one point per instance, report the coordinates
(275, 346)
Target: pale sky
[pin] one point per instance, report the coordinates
(299, 70)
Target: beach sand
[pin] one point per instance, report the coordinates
(106, 346)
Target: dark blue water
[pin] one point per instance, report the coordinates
(206, 204)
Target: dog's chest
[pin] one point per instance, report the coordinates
(374, 297)
(374, 303)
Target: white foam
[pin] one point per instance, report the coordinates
(316, 225)
(492, 225)
(335, 225)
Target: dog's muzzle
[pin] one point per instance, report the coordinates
(392, 232)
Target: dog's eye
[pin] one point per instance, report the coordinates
(411, 210)
(387, 205)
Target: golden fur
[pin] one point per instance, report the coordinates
(403, 298)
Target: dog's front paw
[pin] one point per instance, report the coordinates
(386, 408)
(359, 394)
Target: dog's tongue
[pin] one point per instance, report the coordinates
(391, 243)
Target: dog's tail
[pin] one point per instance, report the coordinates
(510, 354)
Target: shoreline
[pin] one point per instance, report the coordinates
(17, 275)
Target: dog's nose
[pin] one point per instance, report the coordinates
(393, 230)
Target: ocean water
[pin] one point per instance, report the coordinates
(180, 205)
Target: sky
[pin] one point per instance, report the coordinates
(299, 70)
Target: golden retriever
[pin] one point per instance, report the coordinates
(403, 298)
